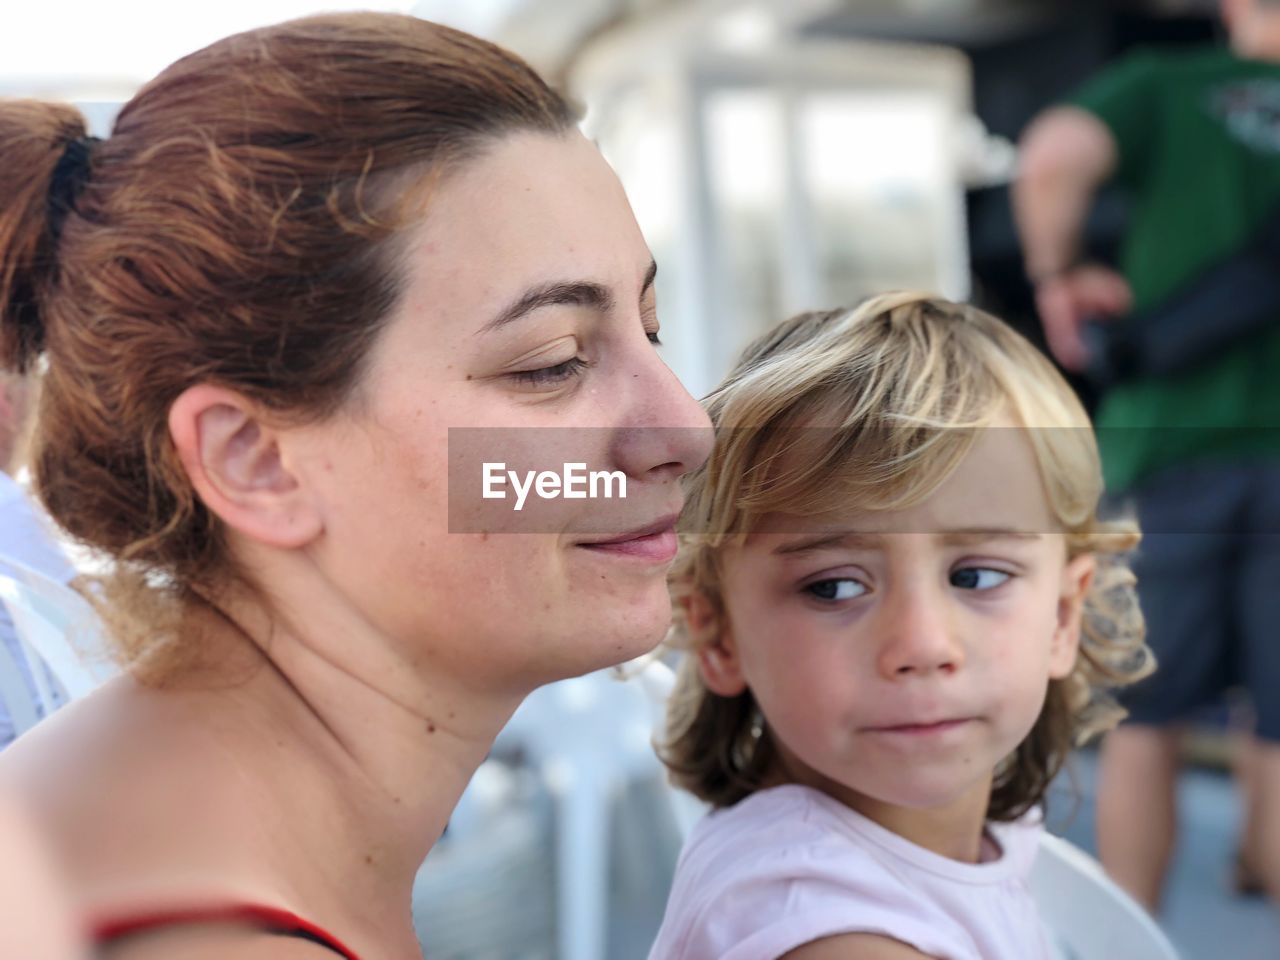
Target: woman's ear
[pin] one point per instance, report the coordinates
(234, 459)
(713, 642)
(1077, 578)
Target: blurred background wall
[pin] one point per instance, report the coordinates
(780, 154)
(787, 154)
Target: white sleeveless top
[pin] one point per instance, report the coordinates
(789, 865)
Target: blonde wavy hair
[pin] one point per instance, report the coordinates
(898, 389)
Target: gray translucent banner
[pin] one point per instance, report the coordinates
(611, 481)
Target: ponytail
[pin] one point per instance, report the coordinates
(38, 145)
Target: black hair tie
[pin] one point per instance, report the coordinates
(69, 178)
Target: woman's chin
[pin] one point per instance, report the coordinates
(615, 638)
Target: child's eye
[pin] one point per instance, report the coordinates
(549, 375)
(978, 578)
(836, 588)
(653, 338)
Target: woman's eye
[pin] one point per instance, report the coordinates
(838, 588)
(548, 375)
(978, 578)
(654, 338)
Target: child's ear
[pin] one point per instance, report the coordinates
(713, 640)
(1077, 578)
(236, 463)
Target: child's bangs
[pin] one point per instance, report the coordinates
(891, 464)
(873, 408)
(815, 471)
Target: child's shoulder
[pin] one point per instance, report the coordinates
(788, 831)
(787, 817)
(794, 821)
(789, 864)
(779, 869)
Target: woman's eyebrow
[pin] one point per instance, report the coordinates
(578, 293)
(581, 293)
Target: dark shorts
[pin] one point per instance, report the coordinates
(1209, 582)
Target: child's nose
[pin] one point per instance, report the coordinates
(920, 637)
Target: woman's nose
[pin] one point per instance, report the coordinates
(665, 432)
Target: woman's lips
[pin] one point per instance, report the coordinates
(655, 543)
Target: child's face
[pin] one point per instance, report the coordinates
(898, 656)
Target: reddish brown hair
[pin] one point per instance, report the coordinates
(238, 227)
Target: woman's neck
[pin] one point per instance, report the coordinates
(379, 746)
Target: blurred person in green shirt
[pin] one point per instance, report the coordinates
(1193, 138)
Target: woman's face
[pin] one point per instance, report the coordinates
(526, 327)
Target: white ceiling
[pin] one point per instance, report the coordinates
(128, 41)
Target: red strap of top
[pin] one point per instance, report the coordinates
(275, 920)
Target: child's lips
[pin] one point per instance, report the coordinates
(925, 728)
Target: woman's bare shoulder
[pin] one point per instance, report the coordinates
(125, 786)
(856, 946)
(104, 748)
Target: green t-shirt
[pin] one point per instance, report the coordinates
(1198, 138)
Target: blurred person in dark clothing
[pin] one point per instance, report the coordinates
(1194, 140)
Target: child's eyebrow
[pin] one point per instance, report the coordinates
(852, 539)
(968, 537)
(844, 538)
